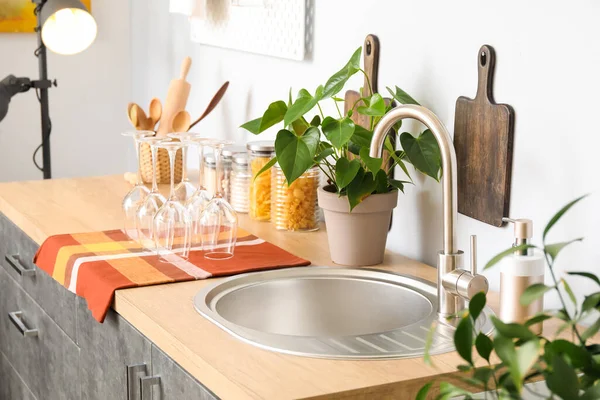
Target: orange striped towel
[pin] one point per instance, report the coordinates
(94, 265)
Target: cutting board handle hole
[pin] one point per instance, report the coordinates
(483, 58)
(368, 48)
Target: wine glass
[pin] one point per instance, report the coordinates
(185, 188)
(172, 222)
(153, 201)
(138, 193)
(219, 220)
(196, 204)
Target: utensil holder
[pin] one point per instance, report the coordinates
(163, 170)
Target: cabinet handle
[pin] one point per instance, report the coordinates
(146, 384)
(133, 374)
(16, 317)
(14, 262)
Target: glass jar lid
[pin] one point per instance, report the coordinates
(230, 151)
(209, 161)
(240, 159)
(261, 146)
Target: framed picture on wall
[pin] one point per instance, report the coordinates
(18, 16)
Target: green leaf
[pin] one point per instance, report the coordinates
(296, 153)
(337, 131)
(512, 330)
(338, 99)
(381, 182)
(345, 171)
(591, 330)
(476, 304)
(448, 391)
(559, 215)
(376, 107)
(361, 136)
(563, 380)
(569, 292)
(303, 104)
(337, 82)
(360, 188)
(592, 393)
(463, 339)
(498, 257)
(300, 126)
(326, 152)
(395, 155)
(533, 292)
(423, 152)
(373, 164)
(555, 248)
(272, 116)
(266, 167)
(484, 346)
(577, 356)
(483, 374)
(316, 121)
(398, 184)
(590, 302)
(517, 361)
(422, 394)
(401, 96)
(536, 319)
(586, 275)
(527, 355)
(428, 343)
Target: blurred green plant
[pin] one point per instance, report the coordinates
(571, 368)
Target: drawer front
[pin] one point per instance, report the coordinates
(12, 386)
(107, 350)
(16, 257)
(174, 383)
(38, 349)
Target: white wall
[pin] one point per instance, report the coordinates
(87, 108)
(548, 56)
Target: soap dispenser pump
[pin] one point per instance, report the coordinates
(519, 271)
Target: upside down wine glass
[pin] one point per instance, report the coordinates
(171, 222)
(219, 220)
(197, 203)
(185, 188)
(153, 201)
(138, 193)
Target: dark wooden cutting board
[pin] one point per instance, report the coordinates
(483, 138)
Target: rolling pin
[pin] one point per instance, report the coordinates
(177, 97)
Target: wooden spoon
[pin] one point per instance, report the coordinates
(129, 107)
(181, 121)
(155, 111)
(138, 118)
(213, 103)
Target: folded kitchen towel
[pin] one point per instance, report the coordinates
(94, 265)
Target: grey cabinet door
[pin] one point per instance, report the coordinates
(12, 386)
(46, 360)
(175, 383)
(107, 350)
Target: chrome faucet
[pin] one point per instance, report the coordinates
(455, 285)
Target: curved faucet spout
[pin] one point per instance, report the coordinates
(449, 188)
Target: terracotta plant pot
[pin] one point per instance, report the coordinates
(357, 238)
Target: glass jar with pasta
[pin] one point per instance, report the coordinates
(295, 207)
(259, 196)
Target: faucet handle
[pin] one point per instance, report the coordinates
(474, 254)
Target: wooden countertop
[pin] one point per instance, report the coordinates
(165, 314)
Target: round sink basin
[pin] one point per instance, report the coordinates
(329, 312)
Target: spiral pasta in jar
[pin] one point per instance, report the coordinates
(259, 196)
(294, 207)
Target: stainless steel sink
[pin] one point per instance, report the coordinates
(329, 312)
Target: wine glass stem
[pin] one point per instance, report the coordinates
(219, 168)
(138, 150)
(184, 162)
(172, 156)
(154, 151)
(201, 164)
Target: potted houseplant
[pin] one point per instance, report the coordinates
(570, 368)
(360, 192)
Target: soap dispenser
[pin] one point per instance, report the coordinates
(519, 271)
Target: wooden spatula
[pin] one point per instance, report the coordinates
(352, 99)
(483, 137)
(177, 96)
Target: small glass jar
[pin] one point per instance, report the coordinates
(210, 174)
(259, 195)
(295, 207)
(228, 153)
(240, 183)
